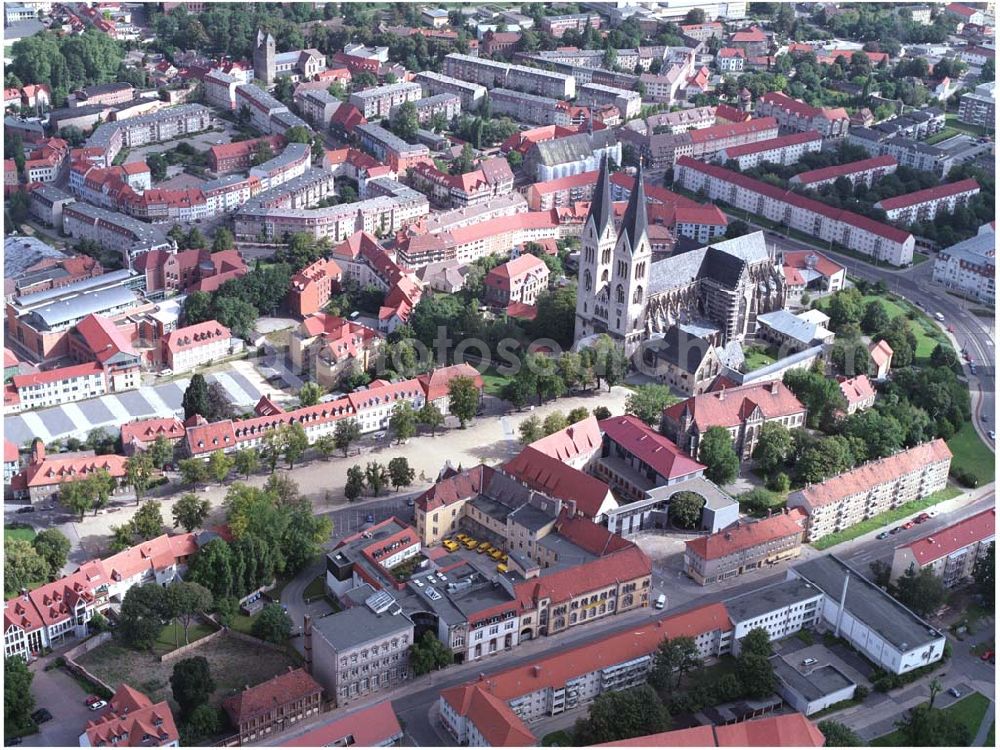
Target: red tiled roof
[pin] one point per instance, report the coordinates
(703, 736)
(787, 196)
(132, 720)
(286, 688)
(930, 194)
(504, 275)
(625, 564)
(786, 730)
(435, 383)
(857, 390)
(880, 352)
(10, 451)
(553, 477)
(579, 438)
(782, 141)
(148, 430)
(874, 473)
(732, 129)
(797, 259)
(940, 543)
(732, 52)
(753, 34)
(730, 113)
(192, 337)
(731, 406)
(60, 373)
(650, 447)
(369, 727)
(746, 536)
(104, 338)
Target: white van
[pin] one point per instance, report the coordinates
(661, 601)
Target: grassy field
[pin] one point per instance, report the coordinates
(971, 454)
(316, 587)
(233, 663)
(951, 121)
(757, 357)
(25, 533)
(970, 711)
(172, 636)
(493, 382)
(941, 135)
(887, 518)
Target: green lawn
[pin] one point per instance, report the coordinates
(991, 739)
(971, 454)
(559, 738)
(919, 258)
(757, 357)
(244, 623)
(25, 533)
(173, 635)
(887, 518)
(493, 381)
(970, 711)
(951, 121)
(316, 587)
(941, 135)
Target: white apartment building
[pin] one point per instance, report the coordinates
(61, 386)
(781, 609)
(503, 75)
(261, 105)
(951, 553)
(872, 488)
(924, 205)
(865, 171)
(538, 110)
(292, 162)
(784, 150)
(192, 346)
(969, 267)
(471, 94)
(220, 89)
(378, 101)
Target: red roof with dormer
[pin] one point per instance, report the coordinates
(650, 447)
(972, 530)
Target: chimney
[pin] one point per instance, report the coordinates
(536, 670)
(843, 600)
(307, 631)
(774, 387)
(722, 394)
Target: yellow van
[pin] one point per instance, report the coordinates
(470, 543)
(461, 537)
(501, 568)
(483, 546)
(496, 554)
(450, 545)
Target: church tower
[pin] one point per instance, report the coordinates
(264, 58)
(596, 248)
(631, 260)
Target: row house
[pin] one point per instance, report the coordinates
(112, 230)
(471, 95)
(873, 488)
(795, 115)
(163, 125)
(45, 162)
(371, 408)
(863, 172)
(858, 233)
(273, 706)
(950, 553)
(186, 348)
(924, 205)
(784, 150)
(742, 411)
(373, 726)
(262, 106)
(48, 615)
(141, 434)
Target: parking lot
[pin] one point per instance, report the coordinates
(63, 697)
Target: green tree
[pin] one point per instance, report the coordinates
(846, 307)
(983, 574)
(139, 472)
(18, 700)
(530, 430)
(820, 395)
(601, 412)
(944, 356)
(578, 414)
(355, 483)
(839, 735)
(161, 452)
(401, 474)
(219, 466)
(77, 495)
(325, 445)
(222, 240)
(403, 421)
(463, 399)
(674, 656)
(922, 726)
(192, 470)
(185, 600)
(685, 509)
(648, 401)
(617, 715)
(205, 721)
(881, 572)
(376, 477)
(922, 591)
(191, 684)
(23, 566)
(141, 616)
(755, 674)
(875, 317)
(554, 422)
(715, 450)
(53, 547)
(404, 123)
(272, 624)
(826, 458)
(190, 511)
(773, 447)
(148, 521)
(346, 432)
(296, 443)
(195, 399)
(430, 416)
(756, 641)
(428, 654)
(310, 394)
(122, 538)
(246, 461)
(212, 567)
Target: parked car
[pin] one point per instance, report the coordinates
(370, 518)
(90, 700)
(896, 530)
(992, 434)
(26, 509)
(987, 656)
(909, 525)
(955, 692)
(41, 716)
(882, 535)
(97, 706)
(409, 503)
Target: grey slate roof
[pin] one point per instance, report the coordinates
(573, 147)
(20, 253)
(721, 261)
(600, 206)
(792, 326)
(634, 221)
(818, 683)
(58, 312)
(770, 598)
(359, 625)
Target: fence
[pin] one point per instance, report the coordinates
(181, 650)
(88, 645)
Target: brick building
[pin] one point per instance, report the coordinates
(274, 706)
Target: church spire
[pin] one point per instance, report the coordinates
(600, 206)
(634, 222)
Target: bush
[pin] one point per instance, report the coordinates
(964, 477)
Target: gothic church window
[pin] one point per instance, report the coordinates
(620, 294)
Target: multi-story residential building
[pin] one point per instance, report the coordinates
(966, 14)
(60, 386)
(378, 102)
(491, 179)
(238, 157)
(220, 89)
(112, 230)
(371, 408)
(538, 110)
(313, 286)
(317, 106)
(668, 86)
(556, 26)
(856, 232)
(793, 114)
(976, 55)
(702, 32)
(503, 75)
(572, 154)
(329, 348)
(629, 103)
(952, 552)
(58, 611)
(924, 205)
(680, 121)
(781, 609)
(731, 60)
(374, 726)
(447, 105)
(497, 710)
(132, 718)
(784, 150)
(864, 172)
(969, 267)
(142, 433)
(273, 706)
(518, 281)
(262, 107)
(363, 650)
(47, 203)
(753, 40)
(472, 95)
(293, 161)
(743, 548)
(162, 125)
(873, 488)
(662, 150)
(389, 148)
(104, 93)
(979, 107)
(742, 411)
(857, 610)
(858, 392)
(192, 346)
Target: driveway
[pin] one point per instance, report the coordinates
(58, 692)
